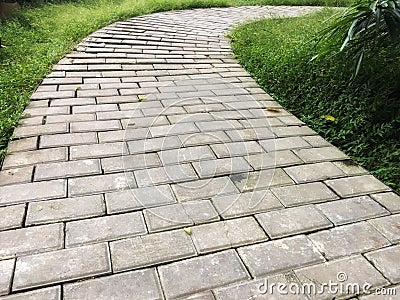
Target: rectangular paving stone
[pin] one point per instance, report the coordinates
(320, 154)
(226, 234)
(266, 258)
(203, 189)
(53, 120)
(355, 186)
(183, 278)
(285, 131)
(291, 221)
(151, 249)
(18, 159)
(236, 149)
(67, 139)
(6, 272)
(52, 95)
(11, 216)
(388, 226)
(73, 101)
(201, 211)
(349, 167)
(181, 155)
(130, 162)
(348, 239)
(19, 193)
(90, 126)
(386, 260)
(356, 270)
(222, 166)
(141, 284)
(100, 184)
(122, 135)
(24, 144)
(67, 169)
(116, 115)
(314, 172)
(17, 175)
(98, 150)
(351, 210)
(218, 125)
(59, 266)
(243, 204)
(31, 240)
(51, 293)
(204, 138)
(175, 129)
(167, 217)
(30, 131)
(273, 159)
(263, 179)
(66, 209)
(293, 195)
(153, 144)
(167, 174)
(250, 134)
(145, 122)
(104, 229)
(143, 197)
(46, 111)
(288, 143)
(389, 200)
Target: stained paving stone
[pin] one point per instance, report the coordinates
(292, 221)
(349, 167)
(18, 159)
(320, 154)
(304, 194)
(222, 166)
(389, 200)
(25, 144)
(183, 278)
(6, 272)
(351, 210)
(203, 189)
(354, 270)
(59, 266)
(348, 239)
(141, 284)
(151, 249)
(67, 169)
(105, 228)
(386, 260)
(246, 203)
(182, 155)
(36, 239)
(31, 131)
(226, 234)
(266, 258)
(134, 199)
(314, 172)
(51, 293)
(66, 209)
(12, 216)
(389, 226)
(17, 175)
(358, 185)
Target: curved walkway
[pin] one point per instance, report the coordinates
(150, 165)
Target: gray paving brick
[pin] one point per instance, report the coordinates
(35, 240)
(54, 120)
(348, 239)
(236, 149)
(226, 234)
(6, 272)
(73, 101)
(134, 199)
(167, 174)
(34, 157)
(12, 216)
(154, 144)
(320, 154)
(389, 200)
(147, 122)
(201, 211)
(52, 95)
(98, 150)
(273, 159)
(17, 175)
(388, 226)
(66, 209)
(182, 155)
(90, 126)
(222, 166)
(100, 184)
(288, 143)
(182, 278)
(51, 293)
(203, 189)
(218, 125)
(47, 111)
(387, 262)
(167, 217)
(358, 185)
(130, 162)
(246, 203)
(67, 139)
(292, 221)
(59, 266)
(151, 249)
(351, 210)
(261, 179)
(204, 138)
(67, 169)
(303, 194)
(292, 131)
(30, 131)
(141, 284)
(266, 258)
(314, 172)
(123, 135)
(349, 167)
(25, 144)
(356, 270)
(18, 193)
(104, 229)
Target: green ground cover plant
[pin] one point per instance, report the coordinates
(360, 116)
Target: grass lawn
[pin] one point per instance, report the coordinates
(367, 113)
(45, 31)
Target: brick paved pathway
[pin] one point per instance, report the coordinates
(150, 165)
